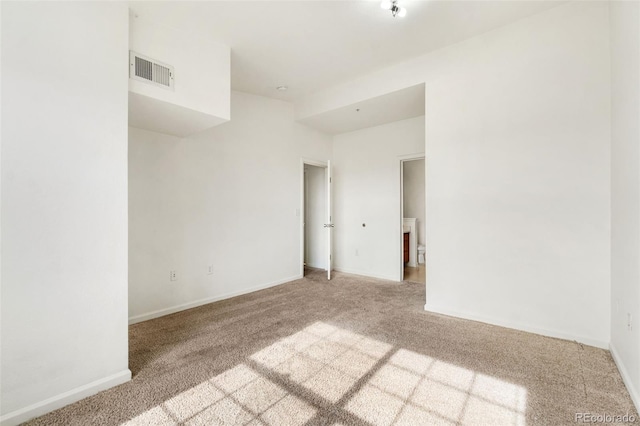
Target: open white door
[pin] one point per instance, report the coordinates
(329, 224)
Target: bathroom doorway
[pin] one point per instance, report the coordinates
(316, 218)
(413, 244)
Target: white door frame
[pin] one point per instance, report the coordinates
(310, 162)
(402, 159)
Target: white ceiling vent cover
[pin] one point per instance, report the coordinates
(150, 71)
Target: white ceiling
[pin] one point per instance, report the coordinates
(311, 45)
(394, 106)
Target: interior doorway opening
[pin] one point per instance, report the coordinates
(413, 245)
(316, 218)
(315, 206)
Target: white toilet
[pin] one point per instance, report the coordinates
(421, 250)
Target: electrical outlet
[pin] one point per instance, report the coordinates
(173, 276)
(629, 322)
(357, 252)
(210, 270)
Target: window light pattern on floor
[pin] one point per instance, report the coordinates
(325, 368)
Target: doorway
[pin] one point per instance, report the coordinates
(316, 225)
(413, 231)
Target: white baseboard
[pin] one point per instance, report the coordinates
(184, 306)
(633, 392)
(518, 326)
(66, 398)
(366, 274)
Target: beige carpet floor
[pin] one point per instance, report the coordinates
(353, 351)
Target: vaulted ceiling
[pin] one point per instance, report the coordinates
(311, 45)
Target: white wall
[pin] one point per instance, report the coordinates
(64, 203)
(200, 98)
(625, 191)
(518, 171)
(414, 195)
(366, 183)
(315, 212)
(195, 89)
(226, 197)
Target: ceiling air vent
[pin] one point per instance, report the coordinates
(151, 71)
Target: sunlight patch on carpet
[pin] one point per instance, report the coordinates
(237, 396)
(325, 367)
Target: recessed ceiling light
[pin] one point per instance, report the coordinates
(282, 88)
